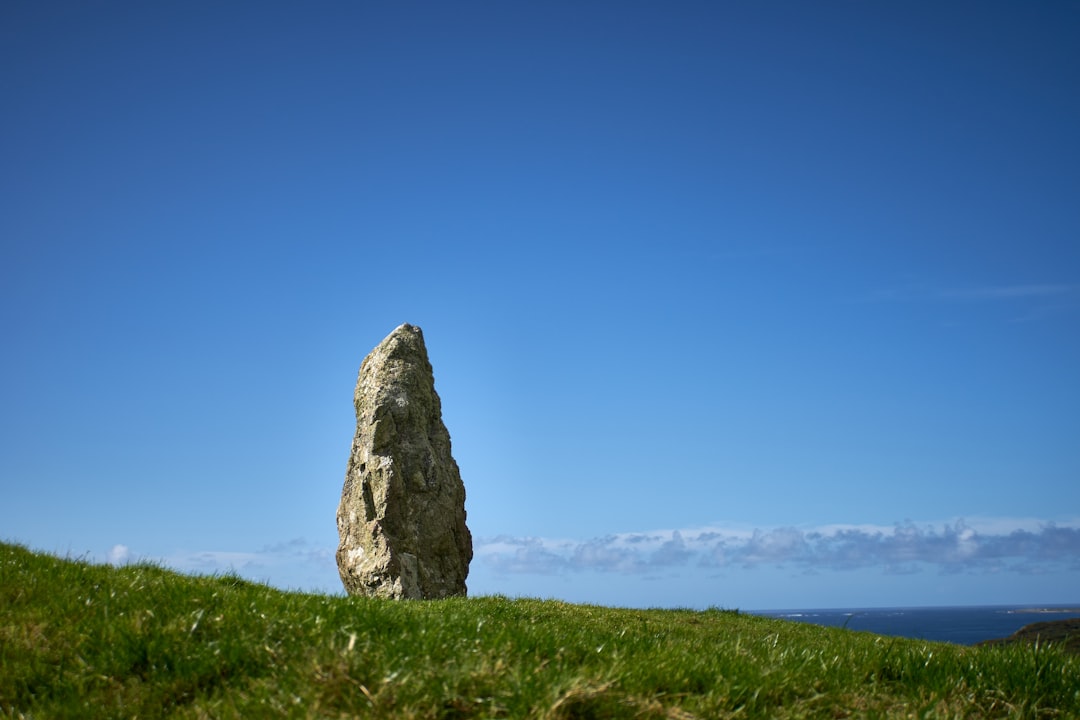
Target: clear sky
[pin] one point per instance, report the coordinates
(738, 304)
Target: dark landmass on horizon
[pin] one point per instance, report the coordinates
(1064, 632)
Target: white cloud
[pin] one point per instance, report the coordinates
(118, 555)
(984, 545)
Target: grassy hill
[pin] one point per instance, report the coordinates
(82, 640)
(1063, 632)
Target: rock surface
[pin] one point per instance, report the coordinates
(401, 520)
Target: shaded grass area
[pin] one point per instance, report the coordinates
(82, 640)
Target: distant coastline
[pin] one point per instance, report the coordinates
(1062, 632)
(959, 625)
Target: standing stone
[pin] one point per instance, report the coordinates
(401, 521)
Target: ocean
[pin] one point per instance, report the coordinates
(959, 625)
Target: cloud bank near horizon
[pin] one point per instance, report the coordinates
(1028, 547)
(991, 546)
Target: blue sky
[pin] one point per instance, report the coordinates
(747, 304)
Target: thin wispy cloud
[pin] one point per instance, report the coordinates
(305, 565)
(1006, 292)
(255, 564)
(905, 547)
(1014, 303)
(978, 293)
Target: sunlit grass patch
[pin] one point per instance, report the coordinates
(82, 640)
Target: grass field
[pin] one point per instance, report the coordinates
(80, 640)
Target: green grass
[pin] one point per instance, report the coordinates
(82, 640)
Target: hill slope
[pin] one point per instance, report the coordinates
(1064, 632)
(81, 640)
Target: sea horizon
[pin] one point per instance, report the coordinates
(957, 624)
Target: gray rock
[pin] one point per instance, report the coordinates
(401, 520)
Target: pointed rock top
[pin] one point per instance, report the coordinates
(405, 337)
(404, 328)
